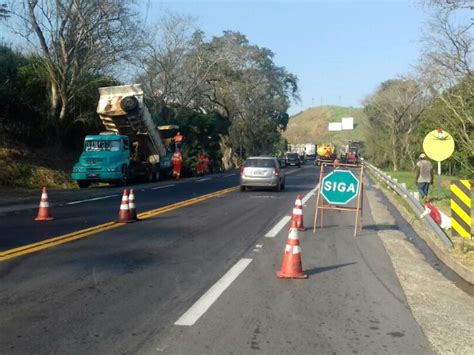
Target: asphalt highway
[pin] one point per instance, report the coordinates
(200, 278)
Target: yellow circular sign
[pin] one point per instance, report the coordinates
(438, 145)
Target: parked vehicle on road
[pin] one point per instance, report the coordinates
(262, 171)
(292, 159)
(131, 147)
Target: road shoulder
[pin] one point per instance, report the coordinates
(443, 311)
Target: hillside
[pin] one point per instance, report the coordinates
(311, 125)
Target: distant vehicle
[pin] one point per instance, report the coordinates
(300, 149)
(310, 151)
(292, 159)
(326, 153)
(262, 171)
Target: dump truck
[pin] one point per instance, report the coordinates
(131, 146)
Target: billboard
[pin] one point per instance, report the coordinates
(347, 123)
(335, 126)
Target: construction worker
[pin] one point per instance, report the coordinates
(203, 164)
(177, 161)
(178, 140)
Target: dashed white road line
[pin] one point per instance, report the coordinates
(162, 187)
(277, 228)
(192, 315)
(204, 179)
(309, 194)
(91, 199)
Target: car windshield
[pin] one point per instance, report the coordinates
(259, 163)
(97, 146)
(292, 156)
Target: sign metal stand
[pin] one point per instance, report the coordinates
(320, 198)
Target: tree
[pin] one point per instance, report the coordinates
(227, 75)
(446, 70)
(394, 111)
(76, 39)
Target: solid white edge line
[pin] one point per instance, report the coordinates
(162, 187)
(201, 306)
(91, 199)
(277, 228)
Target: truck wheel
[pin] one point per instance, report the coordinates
(150, 175)
(83, 184)
(124, 179)
(129, 103)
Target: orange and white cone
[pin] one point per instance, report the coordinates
(291, 266)
(131, 206)
(124, 212)
(297, 214)
(44, 212)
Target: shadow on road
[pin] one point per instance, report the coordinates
(318, 270)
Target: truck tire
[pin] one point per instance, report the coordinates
(83, 184)
(125, 177)
(129, 103)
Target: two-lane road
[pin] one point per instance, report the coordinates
(125, 290)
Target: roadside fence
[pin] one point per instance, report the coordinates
(409, 197)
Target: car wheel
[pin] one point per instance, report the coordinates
(242, 188)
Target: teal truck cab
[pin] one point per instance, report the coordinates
(130, 148)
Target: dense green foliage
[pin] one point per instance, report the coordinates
(402, 111)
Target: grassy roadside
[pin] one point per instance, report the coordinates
(440, 196)
(24, 169)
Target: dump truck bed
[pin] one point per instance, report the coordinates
(133, 120)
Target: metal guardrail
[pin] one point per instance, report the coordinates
(414, 204)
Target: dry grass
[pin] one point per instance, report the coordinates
(310, 126)
(25, 168)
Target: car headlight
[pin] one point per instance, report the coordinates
(78, 169)
(112, 169)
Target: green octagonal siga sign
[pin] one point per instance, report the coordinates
(339, 187)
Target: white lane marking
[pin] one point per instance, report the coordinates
(204, 179)
(162, 187)
(91, 199)
(229, 175)
(309, 194)
(192, 315)
(277, 228)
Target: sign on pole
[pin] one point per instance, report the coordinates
(340, 187)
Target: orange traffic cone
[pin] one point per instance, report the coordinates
(291, 267)
(297, 214)
(44, 213)
(131, 206)
(124, 212)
